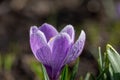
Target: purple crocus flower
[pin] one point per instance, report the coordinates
(55, 49)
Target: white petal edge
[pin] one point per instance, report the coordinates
(35, 30)
(69, 27)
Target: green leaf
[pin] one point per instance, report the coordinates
(89, 77)
(111, 72)
(114, 58)
(75, 69)
(103, 63)
(64, 75)
(101, 75)
(44, 72)
(100, 60)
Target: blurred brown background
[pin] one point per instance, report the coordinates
(100, 19)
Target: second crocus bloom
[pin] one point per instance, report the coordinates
(55, 49)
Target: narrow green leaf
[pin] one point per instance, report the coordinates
(103, 65)
(111, 72)
(87, 76)
(114, 58)
(100, 60)
(44, 72)
(75, 69)
(102, 74)
(64, 75)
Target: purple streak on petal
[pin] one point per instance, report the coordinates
(60, 47)
(48, 30)
(69, 29)
(77, 48)
(44, 55)
(37, 41)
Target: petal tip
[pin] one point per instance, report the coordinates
(82, 35)
(46, 24)
(33, 29)
(83, 32)
(48, 30)
(70, 26)
(69, 29)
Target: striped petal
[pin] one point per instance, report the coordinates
(48, 30)
(60, 45)
(38, 44)
(77, 48)
(69, 29)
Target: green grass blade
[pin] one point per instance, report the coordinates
(87, 76)
(64, 75)
(100, 60)
(75, 69)
(44, 72)
(114, 58)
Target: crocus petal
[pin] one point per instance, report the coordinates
(61, 44)
(38, 43)
(69, 30)
(77, 48)
(51, 41)
(48, 30)
(44, 55)
(33, 30)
